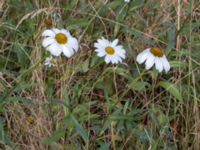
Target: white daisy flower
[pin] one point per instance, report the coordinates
(126, 1)
(113, 53)
(50, 61)
(57, 41)
(154, 56)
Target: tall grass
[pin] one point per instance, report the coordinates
(82, 103)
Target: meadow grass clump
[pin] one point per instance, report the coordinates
(62, 92)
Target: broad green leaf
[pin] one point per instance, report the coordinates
(104, 146)
(76, 23)
(175, 64)
(55, 136)
(22, 86)
(79, 128)
(137, 86)
(84, 67)
(158, 117)
(115, 4)
(172, 89)
(171, 40)
(106, 125)
(22, 55)
(3, 135)
(139, 35)
(120, 17)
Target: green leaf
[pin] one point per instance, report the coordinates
(120, 17)
(158, 117)
(139, 35)
(172, 89)
(76, 23)
(137, 86)
(121, 117)
(84, 67)
(104, 146)
(171, 40)
(55, 136)
(22, 55)
(176, 64)
(79, 128)
(3, 135)
(115, 4)
(22, 86)
(106, 125)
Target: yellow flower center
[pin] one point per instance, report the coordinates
(110, 50)
(29, 120)
(157, 52)
(61, 38)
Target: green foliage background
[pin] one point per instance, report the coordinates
(82, 103)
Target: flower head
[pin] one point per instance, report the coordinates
(154, 56)
(50, 61)
(113, 53)
(126, 1)
(57, 41)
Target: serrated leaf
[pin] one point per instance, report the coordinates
(172, 89)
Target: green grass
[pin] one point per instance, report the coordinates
(83, 103)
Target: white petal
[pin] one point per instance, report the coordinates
(68, 52)
(107, 59)
(48, 33)
(114, 43)
(119, 47)
(66, 32)
(48, 41)
(100, 53)
(46, 63)
(103, 42)
(55, 30)
(73, 43)
(142, 56)
(158, 63)
(166, 64)
(120, 52)
(122, 56)
(98, 46)
(126, 1)
(54, 49)
(150, 61)
(48, 59)
(115, 59)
